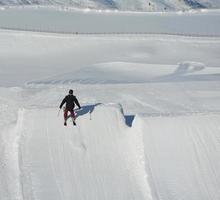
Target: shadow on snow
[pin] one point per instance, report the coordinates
(90, 108)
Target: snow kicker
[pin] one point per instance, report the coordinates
(100, 158)
(103, 158)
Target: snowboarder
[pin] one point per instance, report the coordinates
(70, 101)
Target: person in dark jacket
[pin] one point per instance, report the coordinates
(70, 101)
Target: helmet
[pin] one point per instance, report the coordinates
(70, 91)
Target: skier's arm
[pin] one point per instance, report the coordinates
(64, 101)
(77, 102)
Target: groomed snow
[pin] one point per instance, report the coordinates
(90, 161)
(182, 152)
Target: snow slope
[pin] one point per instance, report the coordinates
(163, 145)
(135, 5)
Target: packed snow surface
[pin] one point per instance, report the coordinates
(149, 127)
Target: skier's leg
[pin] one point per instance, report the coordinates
(73, 116)
(65, 116)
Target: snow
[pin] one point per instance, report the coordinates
(109, 5)
(52, 20)
(95, 162)
(149, 124)
(139, 52)
(183, 151)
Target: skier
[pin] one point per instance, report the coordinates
(70, 101)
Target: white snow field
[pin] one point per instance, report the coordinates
(149, 127)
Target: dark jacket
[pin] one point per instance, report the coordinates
(70, 101)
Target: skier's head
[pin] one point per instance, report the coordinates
(70, 91)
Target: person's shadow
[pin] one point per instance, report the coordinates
(86, 109)
(89, 109)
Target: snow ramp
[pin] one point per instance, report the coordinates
(99, 159)
(159, 157)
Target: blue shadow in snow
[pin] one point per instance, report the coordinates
(194, 4)
(86, 109)
(90, 108)
(129, 120)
